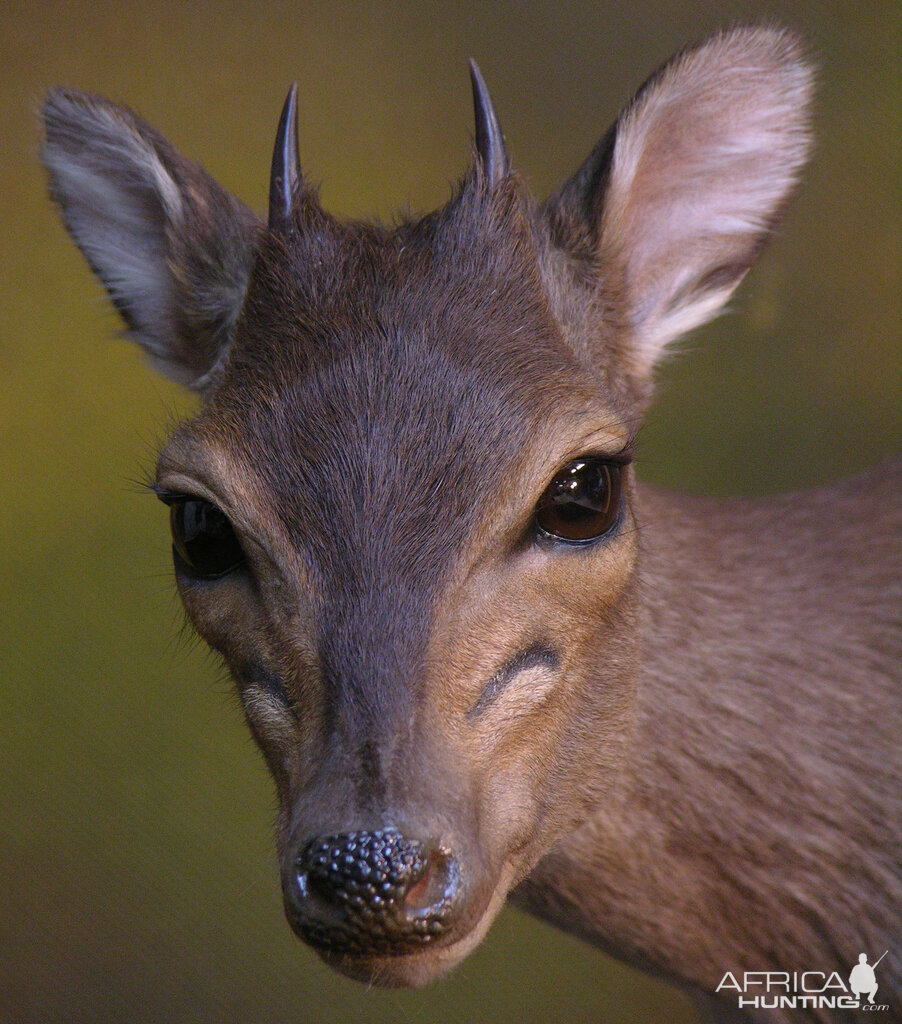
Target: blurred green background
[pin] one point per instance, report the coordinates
(139, 879)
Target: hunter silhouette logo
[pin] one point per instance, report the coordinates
(806, 990)
(863, 979)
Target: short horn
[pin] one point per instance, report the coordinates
(489, 138)
(286, 166)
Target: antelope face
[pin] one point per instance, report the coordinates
(419, 569)
(404, 514)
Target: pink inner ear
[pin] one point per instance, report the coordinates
(704, 159)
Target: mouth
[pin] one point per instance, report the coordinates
(414, 968)
(413, 941)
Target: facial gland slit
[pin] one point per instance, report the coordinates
(538, 656)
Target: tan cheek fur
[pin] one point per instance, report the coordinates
(522, 744)
(555, 595)
(247, 630)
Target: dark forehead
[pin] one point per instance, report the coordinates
(465, 278)
(382, 381)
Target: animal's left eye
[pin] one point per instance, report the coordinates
(582, 502)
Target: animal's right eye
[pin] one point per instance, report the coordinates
(203, 539)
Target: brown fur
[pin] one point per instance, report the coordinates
(679, 741)
(756, 825)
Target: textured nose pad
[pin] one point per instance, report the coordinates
(372, 891)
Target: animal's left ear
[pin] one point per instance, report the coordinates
(673, 205)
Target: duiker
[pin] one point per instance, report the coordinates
(480, 658)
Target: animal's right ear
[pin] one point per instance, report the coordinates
(173, 249)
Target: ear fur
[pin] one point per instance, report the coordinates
(173, 249)
(673, 206)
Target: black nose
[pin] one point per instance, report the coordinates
(370, 892)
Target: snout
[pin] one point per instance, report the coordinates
(372, 893)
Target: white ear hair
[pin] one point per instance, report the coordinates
(669, 211)
(172, 248)
(703, 161)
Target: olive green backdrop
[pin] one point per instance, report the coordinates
(138, 874)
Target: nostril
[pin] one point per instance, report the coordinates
(436, 882)
(373, 890)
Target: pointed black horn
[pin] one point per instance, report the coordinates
(285, 175)
(489, 138)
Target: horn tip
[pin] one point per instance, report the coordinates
(480, 89)
(489, 137)
(285, 174)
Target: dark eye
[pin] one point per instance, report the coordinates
(582, 502)
(203, 538)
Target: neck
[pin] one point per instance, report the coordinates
(750, 828)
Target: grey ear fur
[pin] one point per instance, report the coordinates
(672, 207)
(173, 249)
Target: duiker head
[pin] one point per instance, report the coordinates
(404, 514)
